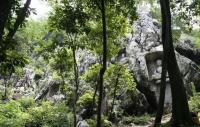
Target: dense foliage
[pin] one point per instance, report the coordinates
(51, 70)
(26, 113)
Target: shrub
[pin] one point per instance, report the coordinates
(86, 99)
(105, 122)
(91, 122)
(194, 103)
(27, 102)
(50, 115)
(26, 113)
(11, 115)
(141, 120)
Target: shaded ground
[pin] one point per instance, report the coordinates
(165, 119)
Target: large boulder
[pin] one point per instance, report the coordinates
(144, 53)
(134, 103)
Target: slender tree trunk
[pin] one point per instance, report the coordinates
(102, 71)
(5, 90)
(76, 80)
(163, 76)
(162, 93)
(91, 110)
(115, 91)
(94, 97)
(180, 108)
(20, 19)
(63, 85)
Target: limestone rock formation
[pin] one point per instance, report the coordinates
(49, 90)
(188, 50)
(131, 101)
(144, 53)
(82, 124)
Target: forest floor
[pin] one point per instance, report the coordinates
(166, 118)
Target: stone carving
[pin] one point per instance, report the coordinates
(144, 53)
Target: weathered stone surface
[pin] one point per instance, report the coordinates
(144, 53)
(188, 50)
(86, 59)
(49, 90)
(24, 86)
(82, 124)
(134, 103)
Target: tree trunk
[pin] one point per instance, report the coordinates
(20, 19)
(5, 90)
(102, 71)
(163, 76)
(63, 85)
(180, 108)
(5, 8)
(91, 110)
(94, 97)
(76, 84)
(162, 93)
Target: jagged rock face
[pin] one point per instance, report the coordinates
(30, 84)
(144, 53)
(24, 86)
(85, 59)
(49, 91)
